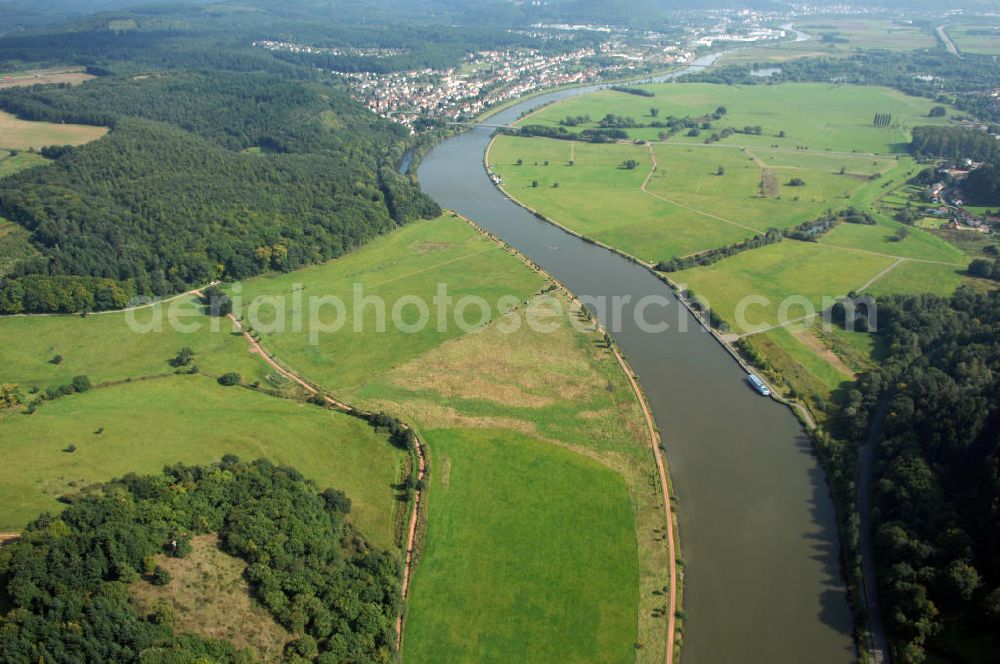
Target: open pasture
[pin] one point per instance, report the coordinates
(981, 39)
(411, 263)
(517, 567)
(805, 270)
(106, 347)
(142, 426)
(618, 213)
(501, 386)
(819, 116)
(18, 134)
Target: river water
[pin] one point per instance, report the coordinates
(757, 525)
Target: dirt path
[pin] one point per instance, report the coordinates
(810, 341)
(654, 442)
(411, 536)
(880, 275)
(194, 291)
(687, 207)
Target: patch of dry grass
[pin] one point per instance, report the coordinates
(208, 596)
(564, 387)
(21, 134)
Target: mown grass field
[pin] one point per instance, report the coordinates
(18, 134)
(803, 270)
(189, 419)
(560, 392)
(516, 507)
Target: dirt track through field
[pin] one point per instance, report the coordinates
(309, 387)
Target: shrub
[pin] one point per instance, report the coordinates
(81, 383)
(161, 576)
(229, 379)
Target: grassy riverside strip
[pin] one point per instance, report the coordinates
(675, 602)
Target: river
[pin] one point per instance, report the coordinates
(757, 525)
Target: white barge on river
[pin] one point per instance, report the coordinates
(758, 384)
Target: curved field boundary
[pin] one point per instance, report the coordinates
(256, 348)
(654, 439)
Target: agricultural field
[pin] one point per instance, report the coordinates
(143, 425)
(817, 150)
(18, 134)
(556, 403)
(980, 39)
(834, 37)
(70, 75)
(867, 34)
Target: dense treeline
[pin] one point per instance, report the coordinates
(631, 90)
(68, 577)
(954, 143)
(937, 500)
(168, 206)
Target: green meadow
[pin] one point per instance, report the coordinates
(142, 426)
(540, 433)
(808, 271)
(558, 395)
(517, 507)
(818, 116)
(817, 151)
(118, 346)
(983, 39)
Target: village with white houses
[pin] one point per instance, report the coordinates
(490, 77)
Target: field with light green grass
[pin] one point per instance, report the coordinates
(711, 194)
(777, 272)
(12, 162)
(145, 425)
(561, 392)
(514, 555)
(819, 116)
(410, 263)
(846, 36)
(600, 199)
(106, 347)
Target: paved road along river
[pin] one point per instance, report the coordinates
(756, 521)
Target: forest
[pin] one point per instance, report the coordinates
(204, 175)
(68, 578)
(937, 490)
